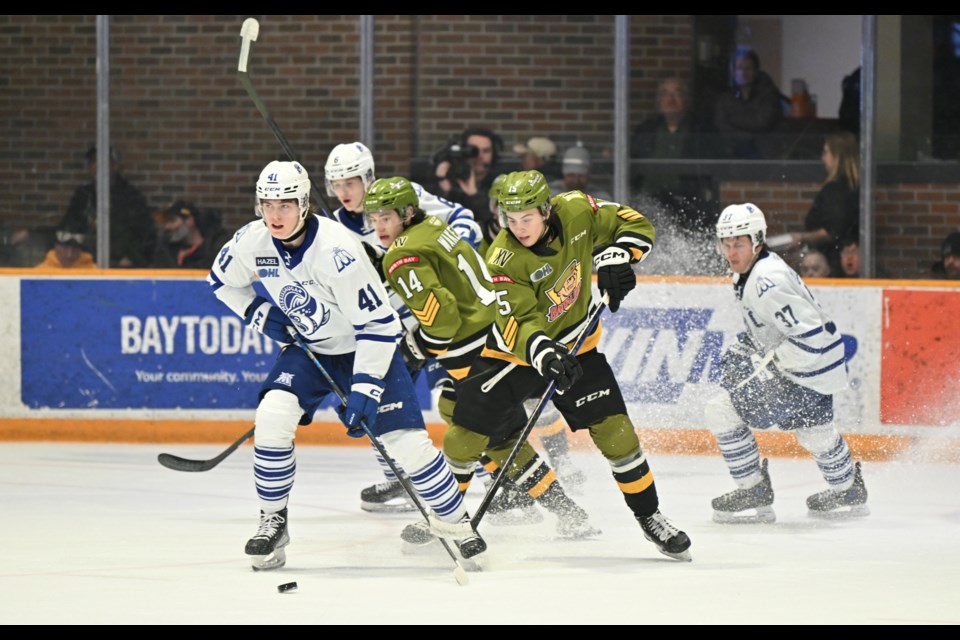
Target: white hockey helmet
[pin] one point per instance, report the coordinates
(742, 220)
(284, 181)
(351, 160)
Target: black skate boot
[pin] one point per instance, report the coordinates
(573, 523)
(419, 534)
(670, 541)
(266, 546)
(841, 504)
(386, 497)
(736, 506)
(512, 506)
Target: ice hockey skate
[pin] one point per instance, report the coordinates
(670, 541)
(572, 521)
(747, 506)
(851, 503)
(386, 497)
(266, 547)
(512, 506)
(569, 473)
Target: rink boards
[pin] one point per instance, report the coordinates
(150, 356)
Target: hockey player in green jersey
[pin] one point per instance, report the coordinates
(540, 264)
(445, 284)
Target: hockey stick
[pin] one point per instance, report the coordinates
(458, 530)
(459, 573)
(248, 35)
(185, 464)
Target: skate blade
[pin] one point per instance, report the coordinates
(270, 561)
(386, 507)
(683, 556)
(856, 511)
(762, 515)
(515, 517)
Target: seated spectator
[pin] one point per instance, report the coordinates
(835, 212)
(948, 268)
(576, 174)
(132, 230)
(538, 154)
(673, 134)
(190, 238)
(754, 105)
(67, 252)
(814, 264)
(850, 257)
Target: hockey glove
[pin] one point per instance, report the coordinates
(615, 276)
(414, 351)
(362, 404)
(268, 320)
(375, 253)
(555, 363)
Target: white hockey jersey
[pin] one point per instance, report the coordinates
(782, 315)
(327, 287)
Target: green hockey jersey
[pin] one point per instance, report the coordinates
(445, 284)
(545, 290)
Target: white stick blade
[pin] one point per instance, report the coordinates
(250, 29)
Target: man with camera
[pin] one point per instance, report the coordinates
(465, 170)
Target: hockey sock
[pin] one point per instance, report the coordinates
(274, 470)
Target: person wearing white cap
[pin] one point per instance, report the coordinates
(576, 174)
(538, 154)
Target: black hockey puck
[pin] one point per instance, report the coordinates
(287, 586)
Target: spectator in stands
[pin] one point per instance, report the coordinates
(850, 257)
(67, 252)
(674, 134)
(576, 174)
(471, 192)
(132, 229)
(835, 213)
(189, 237)
(948, 268)
(538, 154)
(814, 264)
(753, 106)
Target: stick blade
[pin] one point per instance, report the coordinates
(250, 29)
(182, 464)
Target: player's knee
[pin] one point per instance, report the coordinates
(277, 418)
(615, 437)
(720, 414)
(817, 439)
(462, 446)
(445, 407)
(411, 448)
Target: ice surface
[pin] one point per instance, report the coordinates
(102, 534)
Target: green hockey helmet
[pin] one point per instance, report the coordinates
(522, 191)
(390, 194)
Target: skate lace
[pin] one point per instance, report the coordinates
(661, 527)
(269, 524)
(381, 487)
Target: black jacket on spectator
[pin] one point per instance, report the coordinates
(836, 208)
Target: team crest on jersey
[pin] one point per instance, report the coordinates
(541, 273)
(501, 257)
(306, 313)
(284, 378)
(764, 285)
(342, 258)
(565, 291)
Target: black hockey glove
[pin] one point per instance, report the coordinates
(269, 320)
(555, 363)
(414, 351)
(615, 276)
(375, 253)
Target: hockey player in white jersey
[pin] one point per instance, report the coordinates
(348, 173)
(783, 372)
(322, 284)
